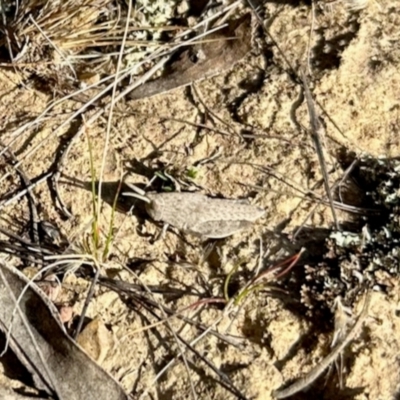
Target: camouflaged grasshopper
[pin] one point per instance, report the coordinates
(198, 214)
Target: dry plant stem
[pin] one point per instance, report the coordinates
(179, 341)
(225, 381)
(24, 191)
(192, 343)
(343, 318)
(28, 248)
(181, 350)
(195, 125)
(176, 314)
(199, 96)
(260, 258)
(17, 251)
(292, 261)
(310, 38)
(315, 197)
(42, 117)
(110, 114)
(287, 181)
(315, 132)
(31, 199)
(53, 45)
(263, 136)
(293, 110)
(56, 130)
(60, 164)
(98, 96)
(272, 39)
(292, 72)
(275, 174)
(32, 205)
(311, 213)
(226, 133)
(87, 302)
(127, 71)
(308, 379)
(132, 291)
(29, 245)
(103, 92)
(211, 158)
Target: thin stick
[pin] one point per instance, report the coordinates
(292, 72)
(110, 114)
(175, 335)
(31, 199)
(310, 38)
(225, 381)
(315, 133)
(199, 96)
(309, 378)
(53, 45)
(87, 302)
(125, 73)
(311, 213)
(131, 291)
(24, 191)
(60, 164)
(290, 183)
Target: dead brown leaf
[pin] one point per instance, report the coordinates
(219, 52)
(38, 339)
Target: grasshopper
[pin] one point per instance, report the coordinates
(198, 214)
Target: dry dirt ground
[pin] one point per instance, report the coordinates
(355, 64)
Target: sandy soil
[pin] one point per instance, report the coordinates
(355, 63)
